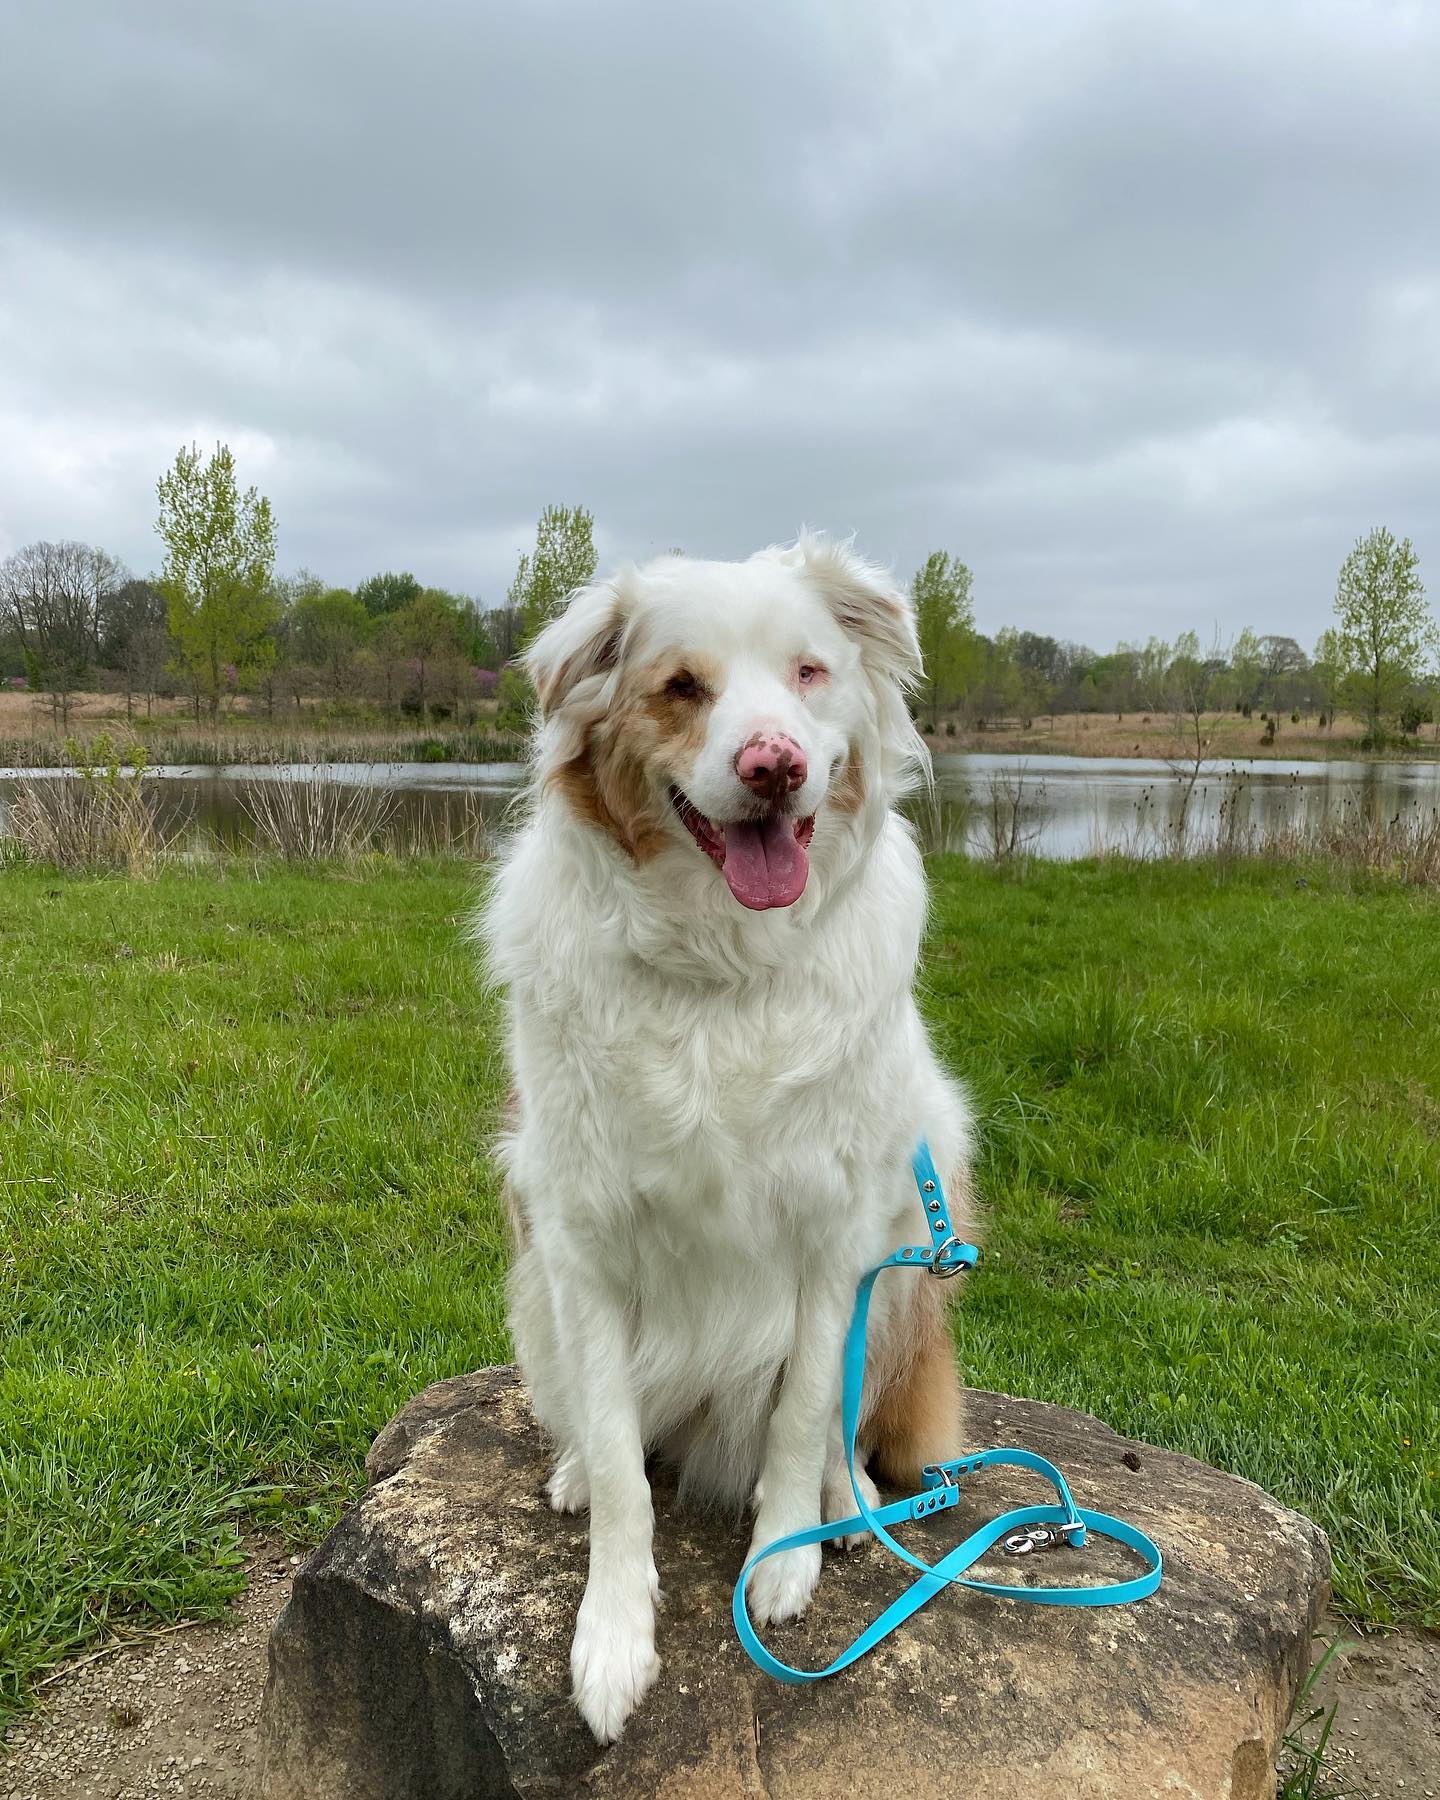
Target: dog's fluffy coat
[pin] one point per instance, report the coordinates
(715, 1105)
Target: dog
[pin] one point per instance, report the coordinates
(707, 930)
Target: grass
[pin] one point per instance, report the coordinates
(245, 1210)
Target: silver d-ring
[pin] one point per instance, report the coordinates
(945, 1273)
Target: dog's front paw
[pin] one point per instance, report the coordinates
(612, 1659)
(840, 1502)
(569, 1487)
(782, 1585)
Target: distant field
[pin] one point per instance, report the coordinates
(245, 1210)
(1228, 736)
(317, 731)
(247, 733)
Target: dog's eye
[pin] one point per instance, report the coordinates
(809, 673)
(682, 685)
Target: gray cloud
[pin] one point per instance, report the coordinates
(1136, 307)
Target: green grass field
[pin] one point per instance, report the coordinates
(245, 1210)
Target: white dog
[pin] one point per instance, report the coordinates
(708, 931)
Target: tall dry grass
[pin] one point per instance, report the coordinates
(1403, 845)
(259, 743)
(316, 817)
(98, 818)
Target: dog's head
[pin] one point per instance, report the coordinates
(727, 710)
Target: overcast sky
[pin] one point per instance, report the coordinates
(1134, 306)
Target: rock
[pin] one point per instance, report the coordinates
(424, 1652)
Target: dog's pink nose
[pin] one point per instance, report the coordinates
(771, 765)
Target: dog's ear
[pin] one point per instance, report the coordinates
(868, 606)
(579, 647)
(878, 617)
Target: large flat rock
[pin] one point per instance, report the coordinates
(424, 1652)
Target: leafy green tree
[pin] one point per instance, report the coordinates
(1113, 680)
(1328, 671)
(562, 561)
(429, 635)
(1153, 660)
(516, 698)
(1247, 668)
(945, 626)
(330, 628)
(388, 593)
(217, 578)
(1022, 660)
(1383, 626)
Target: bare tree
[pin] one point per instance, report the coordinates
(134, 640)
(53, 596)
(1191, 685)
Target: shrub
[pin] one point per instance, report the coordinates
(96, 818)
(517, 702)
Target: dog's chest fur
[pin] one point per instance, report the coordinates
(746, 1113)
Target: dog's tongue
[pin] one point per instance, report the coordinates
(764, 865)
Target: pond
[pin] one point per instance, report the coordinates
(1062, 806)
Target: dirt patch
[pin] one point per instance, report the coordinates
(178, 1716)
(1386, 1739)
(174, 1716)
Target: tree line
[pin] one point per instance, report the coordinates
(1380, 660)
(216, 622)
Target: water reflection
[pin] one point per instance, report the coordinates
(1059, 806)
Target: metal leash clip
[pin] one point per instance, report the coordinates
(1040, 1537)
(942, 1270)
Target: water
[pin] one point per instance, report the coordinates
(1061, 806)
(1076, 805)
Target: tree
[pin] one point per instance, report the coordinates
(52, 597)
(428, 634)
(1038, 661)
(217, 579)
(945, 626)
(1383, 626)
(387, 593)
(506, 628)
(1114, 680)
(1247, 669)
(1282, 664)
(1153, 661)
(330, 628)
(563, 560)
(1328, 670)
(135, 640)
(1193, 681)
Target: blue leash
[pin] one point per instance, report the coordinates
(1025, 1529)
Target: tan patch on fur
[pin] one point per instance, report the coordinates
(591, 660)
(915, 1418)
(913, 1415)
(519, 1224)
(620, 781)
(847, 791)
